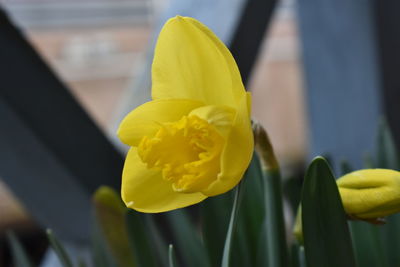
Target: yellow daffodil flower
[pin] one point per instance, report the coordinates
(370, 193)
(194, 139)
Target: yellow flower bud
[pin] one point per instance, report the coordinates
(370, 193)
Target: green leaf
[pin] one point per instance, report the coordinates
(387, 154)
(241, 254)
(292, 190)
(101, 254)
(19, 255)
(277, 254)
(247, 243)
(302, 257)
(188, 243)
(140, 239)
(59, 249)
(171, 256)
(367, 244)
(294, 255)
(390, 236)
(110, 217)
(157, 240)
(327, 241)
(81, 263)
(246, 249)
(232, 225)
(215, 213)
(388, 157)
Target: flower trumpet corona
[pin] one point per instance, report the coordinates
(370, 194)
(194, 139)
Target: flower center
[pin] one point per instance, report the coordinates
(187, 152)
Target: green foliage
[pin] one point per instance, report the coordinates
(214, 214)
(18, 253)
(110, 213)
(140, 239)
(246, 242)
(171, 256)
(188, 241)
(367, 243)
(276, 253)
(327, 241)
(226, 256)
(389, 234)
(244, 227)
(101, 254)
(59, 249)
(387, 154)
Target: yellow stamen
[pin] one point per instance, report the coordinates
(187, 152)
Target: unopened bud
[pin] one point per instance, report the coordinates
(370, 194)
(263, 147)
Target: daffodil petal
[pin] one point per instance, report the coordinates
(191, 62)
(238, 89)
(145, 190)
(221, 117)
(237, 153)
(370, 193)
(146, 119)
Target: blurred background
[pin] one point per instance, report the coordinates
(97, 47)
(321, 78)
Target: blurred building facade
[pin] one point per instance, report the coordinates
(93, 46)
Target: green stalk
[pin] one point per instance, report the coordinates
(274, 223)
(171, 256)
(59, 249)
(20, 257)
(302, 257)
(232, 225)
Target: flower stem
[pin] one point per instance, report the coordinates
(274, 223)
(232, 225)
(171, 256)
(277, 254)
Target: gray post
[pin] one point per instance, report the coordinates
(342, 77)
